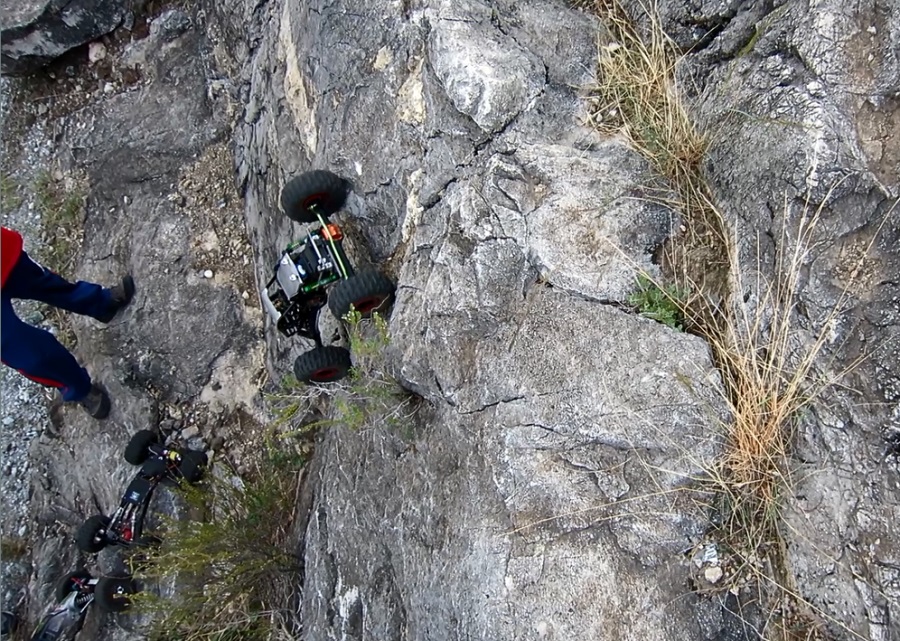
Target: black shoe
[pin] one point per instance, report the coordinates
(96, 403)
(121, 297)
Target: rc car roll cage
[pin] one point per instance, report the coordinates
(293, 301)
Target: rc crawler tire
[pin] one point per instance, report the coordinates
(314, 192)
(9, 623)
(138, 448)
(69, 583)
(113, 594)
(324, 364)
(192, 465)
(366, 292)
(89, 537)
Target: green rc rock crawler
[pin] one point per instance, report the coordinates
(315, 270)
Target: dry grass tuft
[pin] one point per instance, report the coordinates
(766, 360)
(767, 365)
(62, 210)
(13, 548)
(637, 96)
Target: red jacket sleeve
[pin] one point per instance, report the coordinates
(10, 250)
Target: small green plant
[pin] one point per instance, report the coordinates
(62, 220)
(664, 305)
(290, 401)
(373, 396)
(230, 563)
(10, 198)
(368, 339)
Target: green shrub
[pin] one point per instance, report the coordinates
(62, 219)
(372, 396)
(230, 561)
(369, 396)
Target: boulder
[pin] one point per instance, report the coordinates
(36, 32)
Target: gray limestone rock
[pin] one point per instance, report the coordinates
(545, 485)
(486, 74)
(35, 32)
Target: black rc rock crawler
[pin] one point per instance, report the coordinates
(75, 593)
(314, 271)
(159, 464)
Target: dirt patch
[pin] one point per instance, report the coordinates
(220, 249)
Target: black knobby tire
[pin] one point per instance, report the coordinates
(138, 448)
(366, 292)
(192, 466)
(68, 583)
(10, 623)
(314, 192)
(323, 364)
(113, 594)
(89, 538)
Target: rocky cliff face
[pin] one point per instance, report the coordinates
(539, 492)
(532, 501)
(503, 213)
(806, 99)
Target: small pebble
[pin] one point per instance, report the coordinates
(190, 432)
(96, 52)
(208, 273)
(245, 295)
(713, 574)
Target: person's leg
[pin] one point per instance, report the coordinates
(31, 281)
(38, 355)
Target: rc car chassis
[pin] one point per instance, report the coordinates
(159, 464)
(74, 594)
(297, 290)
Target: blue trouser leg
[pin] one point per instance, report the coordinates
(38, 355)
(31, 281)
